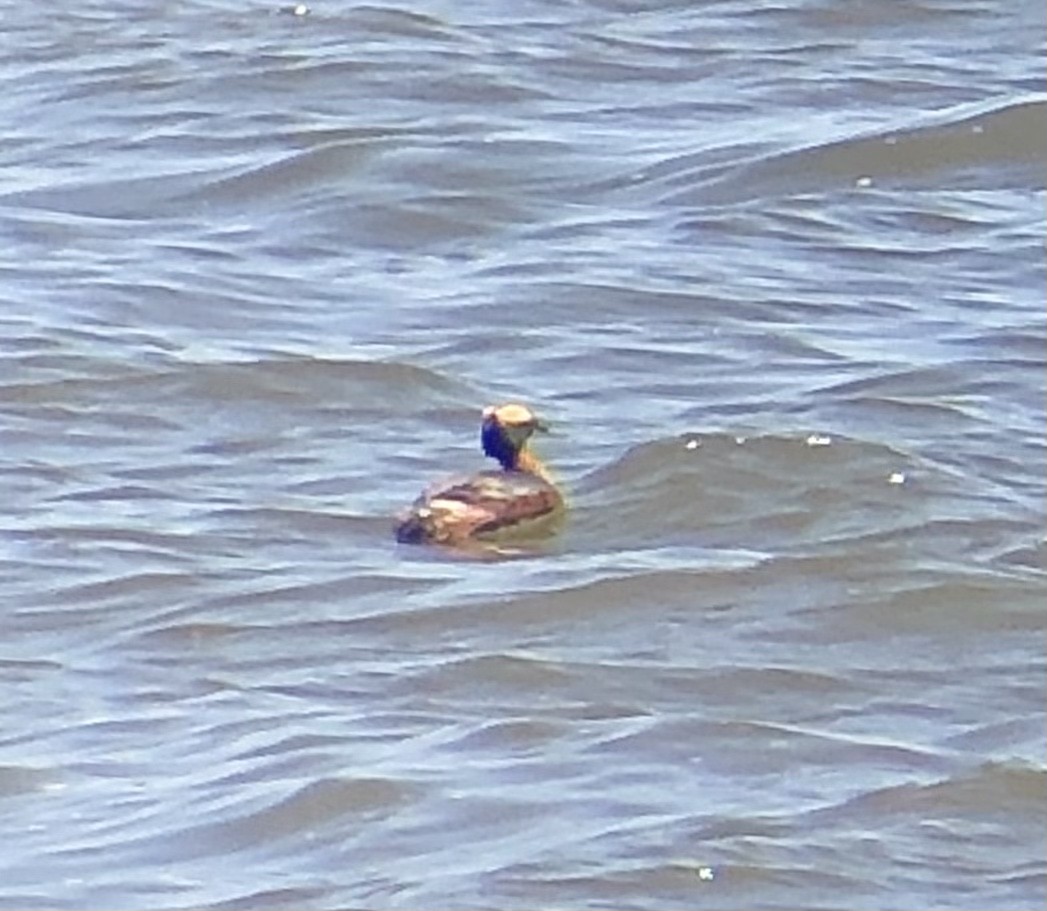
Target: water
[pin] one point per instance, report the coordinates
(775, 275)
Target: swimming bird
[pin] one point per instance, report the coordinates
(516, 497)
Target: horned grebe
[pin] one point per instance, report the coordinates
(510, 499)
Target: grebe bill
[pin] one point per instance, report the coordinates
(518, 498)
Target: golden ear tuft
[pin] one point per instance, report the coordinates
(510, 415)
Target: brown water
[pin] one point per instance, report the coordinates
(776, 274)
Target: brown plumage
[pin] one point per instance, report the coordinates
(516, 497)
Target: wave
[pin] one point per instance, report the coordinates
(995, 146)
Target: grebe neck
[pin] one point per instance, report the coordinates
(529, 462)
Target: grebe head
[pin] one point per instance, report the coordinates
(506, 430)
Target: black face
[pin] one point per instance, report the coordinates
(498, 444)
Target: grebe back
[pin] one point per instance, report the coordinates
(512, 498)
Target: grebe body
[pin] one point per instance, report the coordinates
(518, 497)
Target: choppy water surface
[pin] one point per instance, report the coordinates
(776, 274)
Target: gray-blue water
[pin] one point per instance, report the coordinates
(775, 274)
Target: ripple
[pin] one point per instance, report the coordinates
(995, 144)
